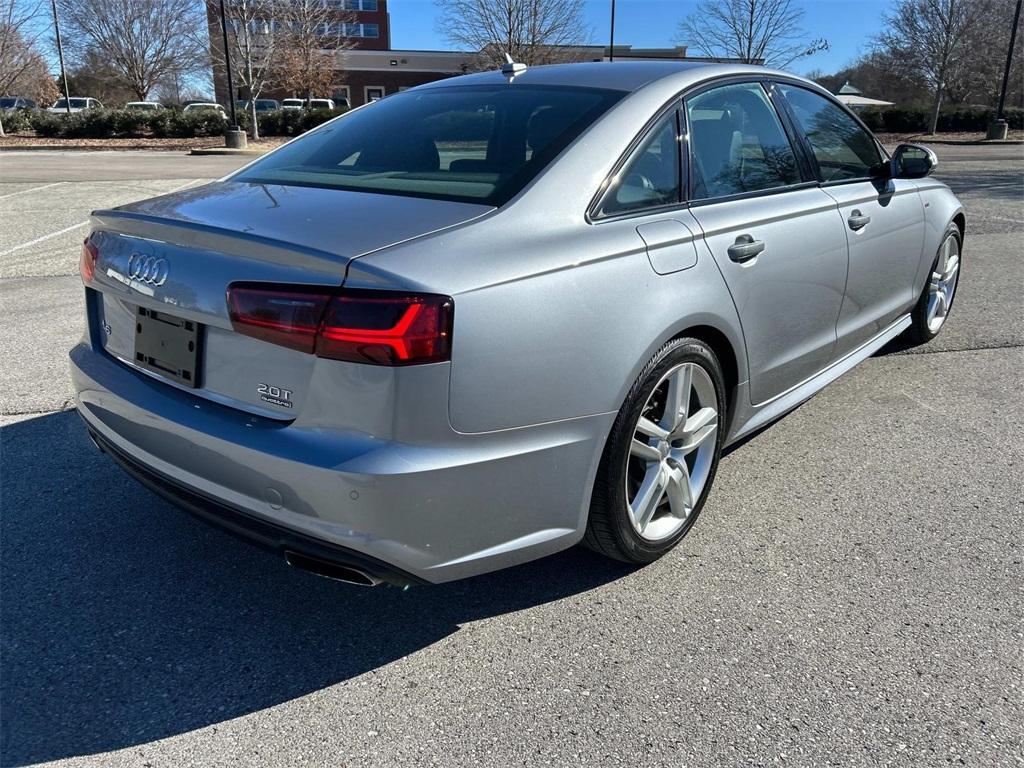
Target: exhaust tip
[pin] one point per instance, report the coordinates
(330, 570)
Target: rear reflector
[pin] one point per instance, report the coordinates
(375, 327)
(87, 261)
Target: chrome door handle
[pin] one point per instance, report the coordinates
(858, 220)
(745, 248)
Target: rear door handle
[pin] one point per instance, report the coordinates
(745, 248)
(858, 220)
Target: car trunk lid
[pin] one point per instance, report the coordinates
(163, 269)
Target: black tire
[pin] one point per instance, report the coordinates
(919, 332)
(610, 531)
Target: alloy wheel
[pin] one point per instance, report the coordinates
(942, 283)
(672, 451)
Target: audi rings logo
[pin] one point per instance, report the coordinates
(147, 269)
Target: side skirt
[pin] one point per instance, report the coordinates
(753, 417)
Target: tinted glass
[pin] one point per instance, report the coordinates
(8, 103)
(737, 143)
(651, 175)
(476, 144)
(842, 148)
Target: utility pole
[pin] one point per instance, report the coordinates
(1009, 61)
(234, 137)
(60, 55)
(999, 129)
(611, 41)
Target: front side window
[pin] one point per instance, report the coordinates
(737, 143)
(843, 149)
(472, 143)
(650, 177)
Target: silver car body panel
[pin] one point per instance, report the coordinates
(456, 468)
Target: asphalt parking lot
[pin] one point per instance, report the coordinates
(853, 594)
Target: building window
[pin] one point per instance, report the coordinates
(339, 93)
(352, 5)
(360, 30)
(373, 93)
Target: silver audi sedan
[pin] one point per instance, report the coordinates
(495, 316)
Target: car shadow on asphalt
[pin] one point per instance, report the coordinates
(124, 620)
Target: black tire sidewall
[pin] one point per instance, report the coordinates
(632, 546)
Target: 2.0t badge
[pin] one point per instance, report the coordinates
(275, 395)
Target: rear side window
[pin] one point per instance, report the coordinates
(473, 143)
(737, 143)
(843, 149)
(650, 177)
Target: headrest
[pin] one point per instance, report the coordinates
(544, 127)
(411, 154)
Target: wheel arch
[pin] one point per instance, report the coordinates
(727, 347)
(727, 359)
(961, 223)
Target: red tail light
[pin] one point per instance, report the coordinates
(87, 261)
(376, 327)
(285, 316)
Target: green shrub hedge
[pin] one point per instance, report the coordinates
(165, 123)
(918, 119)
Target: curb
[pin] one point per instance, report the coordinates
(227, 151)
(79, 148)
(963, 142)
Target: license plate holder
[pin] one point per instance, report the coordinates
(167, 345)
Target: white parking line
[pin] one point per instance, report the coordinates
(44, 237)
(33, 189)
(51, 235)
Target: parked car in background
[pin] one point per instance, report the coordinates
(205, 106)
(292, 104)
(541, 333)
(262, 105)
(78, 104)
(11, 103)
(149, 106)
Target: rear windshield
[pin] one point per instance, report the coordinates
(472, 143)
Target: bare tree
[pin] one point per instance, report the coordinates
(256, 31)
(144, 40)
(20, 60)
(754, 31)
(976, 78)
(314, 35)
(530, 31)
(928, 38)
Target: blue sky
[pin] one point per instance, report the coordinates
(846, 24)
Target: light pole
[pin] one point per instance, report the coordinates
(1009, 61)
(234, 138)
(611, 37)
(1000, 128)
(60, 55)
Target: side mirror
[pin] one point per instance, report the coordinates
(912, 161)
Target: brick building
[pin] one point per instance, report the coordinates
(370, 69)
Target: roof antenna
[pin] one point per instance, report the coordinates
(512, 68)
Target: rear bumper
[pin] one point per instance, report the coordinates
(447, 507)
(262, 533)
